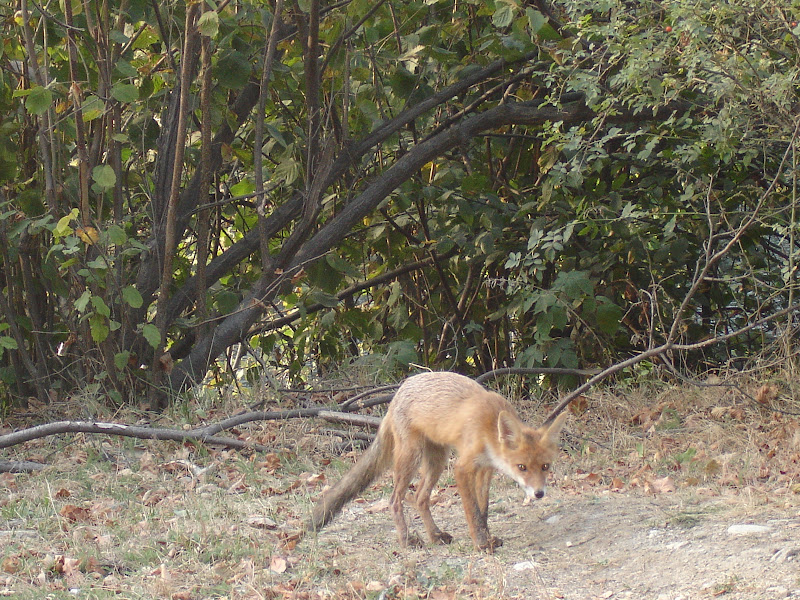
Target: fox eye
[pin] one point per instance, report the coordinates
(545, 467)
(522, 467)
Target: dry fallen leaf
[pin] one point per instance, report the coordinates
(377, 506)
(261, 522)
(766, 393)
(270, 463)
(315, 479)
(593, 478)
(10, 564)
(277, 564)
(75, 513)
(579, 406)
(663, 485)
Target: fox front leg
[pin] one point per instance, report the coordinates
(467, 478)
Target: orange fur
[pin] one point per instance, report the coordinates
(430, 414)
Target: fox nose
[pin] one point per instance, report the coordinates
(539, 494)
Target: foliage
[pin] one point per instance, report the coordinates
(457, 184)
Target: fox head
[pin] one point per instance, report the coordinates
(527, 453)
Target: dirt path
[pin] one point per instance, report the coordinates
(578, 547)
(664, 548)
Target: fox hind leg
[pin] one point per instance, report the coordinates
(434, 460)
(406, 462)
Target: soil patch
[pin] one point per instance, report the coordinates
(579, 546)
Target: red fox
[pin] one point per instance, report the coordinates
(430, 414)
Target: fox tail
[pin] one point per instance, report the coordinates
(371, 465)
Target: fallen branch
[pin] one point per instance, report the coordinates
(147, 433)
(20, 466)
(350, 435)
(351, 404)
(350, 418)
(534, 371)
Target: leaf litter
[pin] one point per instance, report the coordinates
(672, 494)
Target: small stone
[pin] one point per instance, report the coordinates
(746, 529)
(552, 520)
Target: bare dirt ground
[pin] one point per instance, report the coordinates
(582, 546)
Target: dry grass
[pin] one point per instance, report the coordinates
(124, 518)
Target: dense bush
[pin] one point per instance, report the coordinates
(458, 184)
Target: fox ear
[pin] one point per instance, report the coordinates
(508, 429)
(554, 429)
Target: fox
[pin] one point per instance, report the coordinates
(431, 414)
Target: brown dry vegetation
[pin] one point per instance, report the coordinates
(650, 479)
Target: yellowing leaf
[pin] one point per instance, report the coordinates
(88, 235)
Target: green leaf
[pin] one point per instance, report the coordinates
(243, 188)
(288, 170)
(118, 36)
(104, 177)
(132, 297)
(117, 235)
(574, 284)
(226, 301)
(98, 326)
(93, 108)
(503, 14)
(403, 352)
(208, 23)
(152, 335)
(536, 20)
(8, 343)
(609, 316)
(328, 319)
(547, 33)
(233, 70)
(39, 100)
(82, 302)
(341, 265)
(126, 69)
(100, 307)
(99, 263)
(121, 360)
(326, 300)
(125, 92)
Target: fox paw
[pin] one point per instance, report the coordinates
(441, 537)
(491, 544)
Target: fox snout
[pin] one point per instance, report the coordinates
(531, 492)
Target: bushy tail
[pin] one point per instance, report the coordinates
(371, 464)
